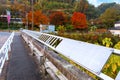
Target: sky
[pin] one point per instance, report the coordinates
(98, 2)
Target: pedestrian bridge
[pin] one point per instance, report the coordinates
(19, 48)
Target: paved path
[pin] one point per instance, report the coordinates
(21, 66)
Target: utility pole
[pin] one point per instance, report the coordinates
(32, 16)
(26, 20)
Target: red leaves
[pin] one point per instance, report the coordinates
(39, 18)
(79, 20)
(58, 18)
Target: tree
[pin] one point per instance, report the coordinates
(110, 16)
(40, 5)
(79, 20)
(19, 10)
(81, 6)
(38, 19)
(2, 9)
(58, 18)
(91, 12)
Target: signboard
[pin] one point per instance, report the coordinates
(47, 28)
(90, 56)
(51, 28)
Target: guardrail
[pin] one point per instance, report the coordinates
(70, 48)
(5, 50)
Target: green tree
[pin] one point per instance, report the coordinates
(2, 9)
(41, 4)
(81, 6)
(91, 12)
(110, 16)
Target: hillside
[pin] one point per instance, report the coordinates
(102, 8)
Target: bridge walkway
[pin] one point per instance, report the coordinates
(21, 66)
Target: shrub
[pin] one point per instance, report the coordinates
(107, 42)
(58, 18)
(117, 46)
(69, 27)
(61, 29)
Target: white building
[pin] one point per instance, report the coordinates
(16, 20)
(116, 29)
(117, 25)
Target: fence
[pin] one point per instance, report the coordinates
(80, 52)
(5, 50)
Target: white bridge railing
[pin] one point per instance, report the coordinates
(4, 51)
(89, 56)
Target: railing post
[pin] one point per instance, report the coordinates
(7, 58)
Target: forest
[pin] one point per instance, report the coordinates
(103, 16)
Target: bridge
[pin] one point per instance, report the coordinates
(31, 55)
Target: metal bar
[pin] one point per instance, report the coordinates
(118, 76)
(42, 38)
(116, 51)
(46, 37)
(54, 41)
(47, 41)
(105, 77)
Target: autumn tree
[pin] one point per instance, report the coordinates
(79, 20)
(19, 8)
(39, 18)
(58, 18)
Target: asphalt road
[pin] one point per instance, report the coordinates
(21, 66)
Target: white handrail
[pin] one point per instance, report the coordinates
(116, 51)
(4, 51)
(34, 35)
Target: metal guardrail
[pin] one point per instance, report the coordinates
(5, 50)
(46, 39)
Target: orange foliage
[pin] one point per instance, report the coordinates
(101, 30)
(38, 18)
(79, 20)
(58, 18)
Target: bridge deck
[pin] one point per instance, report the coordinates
(21, 65)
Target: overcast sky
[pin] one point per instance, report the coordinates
(98, 2)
